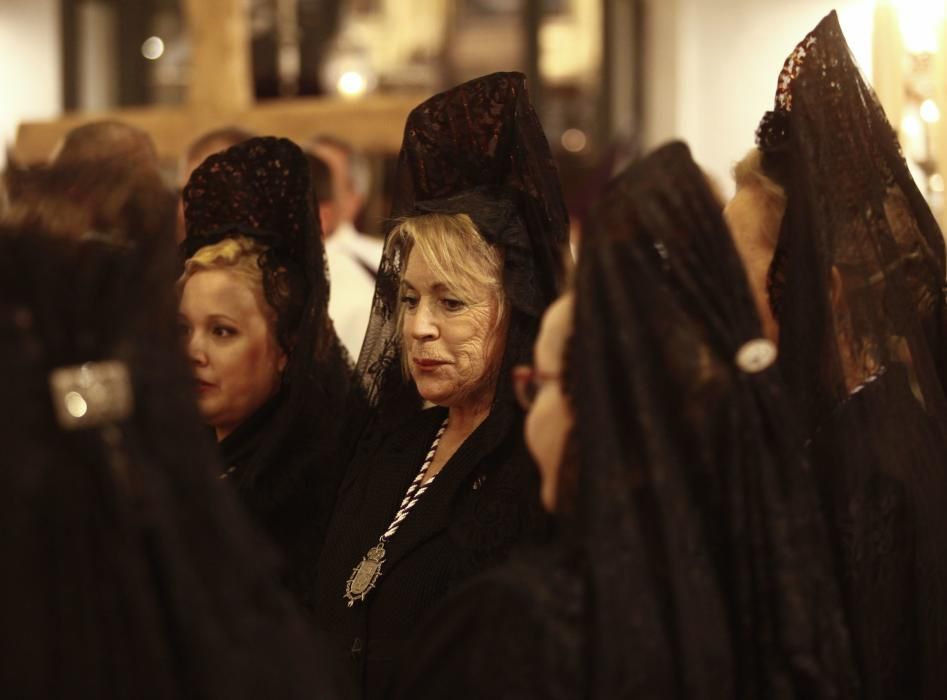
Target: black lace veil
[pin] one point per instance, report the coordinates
(707, 568)
(132, 571)
(857, 286)
(294, 448)
(476, 149)
(854, 210)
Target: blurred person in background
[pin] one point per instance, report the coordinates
(105, 142)
(86, 199)
(132, 572)
(353, 257)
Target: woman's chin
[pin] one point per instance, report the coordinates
(433, 392)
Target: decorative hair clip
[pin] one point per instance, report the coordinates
(91, 395)
(756, 355)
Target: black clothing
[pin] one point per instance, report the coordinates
(286, 461)
(131, 572)
(876, 495)
(857, 285)
(480, 505)
(694, 561)
(477, 149)
(514, 633)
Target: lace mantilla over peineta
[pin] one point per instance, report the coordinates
(476, 149)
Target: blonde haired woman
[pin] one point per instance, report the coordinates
(442, 486)
(230, 332)
(271, 377)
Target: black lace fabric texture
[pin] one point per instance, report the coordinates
(131, 572)
(709, 575)
(289, 457)
(857, 285)
(477, 149)
(694, 563)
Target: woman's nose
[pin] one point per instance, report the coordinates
(195, 350)
(423, 323)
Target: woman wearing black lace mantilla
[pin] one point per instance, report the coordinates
(272, 379)
(473, 259)
(854, 285)
(691, 560)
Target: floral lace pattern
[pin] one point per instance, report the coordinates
(856, 285)
(477, 149)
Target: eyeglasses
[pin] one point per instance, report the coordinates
(527, 381)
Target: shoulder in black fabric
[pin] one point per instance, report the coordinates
(857, 285)
(291, 465)
(709, 570)
(477, 149)
(168, 592)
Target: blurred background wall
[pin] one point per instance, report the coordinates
(610, 78)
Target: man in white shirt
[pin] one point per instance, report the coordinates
(352, 257)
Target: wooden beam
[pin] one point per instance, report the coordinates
(374, 124)
(221, 79)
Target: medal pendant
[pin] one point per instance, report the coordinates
(364, 575)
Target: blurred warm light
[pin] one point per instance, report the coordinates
(929, 111)
(936, 182)
(911, 126)
(920, 21)
(75, 404)
(351, 84)
(348, 71)
(574, 140)
(152, 48)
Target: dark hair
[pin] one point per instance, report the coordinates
(321, 177)
(111, 141)
(87, 199)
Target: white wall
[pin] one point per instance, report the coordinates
(30, 70)
(712, 68)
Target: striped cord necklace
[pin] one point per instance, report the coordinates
(366, 572)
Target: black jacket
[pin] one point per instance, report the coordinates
(484, 501)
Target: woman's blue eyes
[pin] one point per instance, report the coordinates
(453, 304)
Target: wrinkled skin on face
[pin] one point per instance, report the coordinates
(550, 418)
(755, 229)
(234, 352)
(453, 345)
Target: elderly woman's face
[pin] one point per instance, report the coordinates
(549, 421)
(452, 345)
(236, 358)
